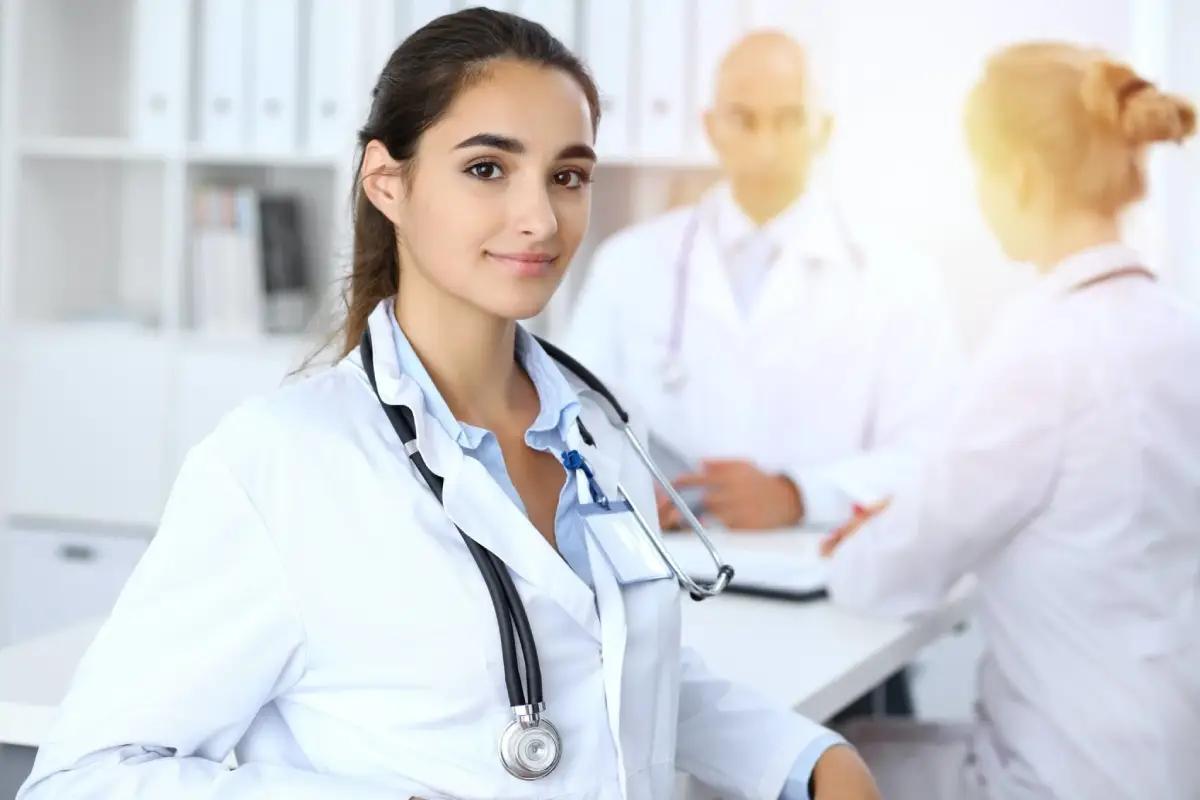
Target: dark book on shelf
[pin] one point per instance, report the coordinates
(283, 255)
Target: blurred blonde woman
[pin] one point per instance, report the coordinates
(1068, 478)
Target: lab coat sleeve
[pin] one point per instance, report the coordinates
(593, 333)
(990, 471)
(737, 742)
(915, 374)
(203, 636)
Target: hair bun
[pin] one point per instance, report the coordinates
(1132, 105)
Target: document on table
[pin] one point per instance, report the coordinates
(783, 563)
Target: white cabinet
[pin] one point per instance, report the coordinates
(57, 578)
(88, 410)
(211, 379)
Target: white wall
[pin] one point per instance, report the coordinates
(903, 72)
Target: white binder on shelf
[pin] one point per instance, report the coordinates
(661, 121)
(718, 27)
(160, 31)
(334, 75)
(224, 121)
(558, 16)
(607, 33)
(274, 70)
(382, 35)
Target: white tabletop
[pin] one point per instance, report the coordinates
(812, 656)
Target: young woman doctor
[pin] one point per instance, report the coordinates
(1068, 480)
(309, 604)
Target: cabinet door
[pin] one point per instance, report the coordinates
(213, 378)
(87, 420)
(60, 578)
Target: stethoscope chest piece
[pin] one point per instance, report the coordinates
(530, 746)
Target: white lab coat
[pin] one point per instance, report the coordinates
(1068, 482)
(308, 604)
(843, 362)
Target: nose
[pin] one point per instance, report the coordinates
(533, 210)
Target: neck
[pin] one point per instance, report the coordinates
(762, 204)
(1077, 232)
(468, 353)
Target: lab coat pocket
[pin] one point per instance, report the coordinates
(626, 545)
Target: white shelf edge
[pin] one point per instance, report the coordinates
(89, 147)
(118, 149)
(186, 337)
(204, 157)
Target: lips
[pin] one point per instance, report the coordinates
(526, 264)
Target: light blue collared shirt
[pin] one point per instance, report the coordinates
(559, 408)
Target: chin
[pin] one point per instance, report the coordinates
(520, 305)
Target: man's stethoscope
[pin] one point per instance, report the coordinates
(530, 746)
(672, 371)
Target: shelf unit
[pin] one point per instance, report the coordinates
(120, 113)
(112, 115)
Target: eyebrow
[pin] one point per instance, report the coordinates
(511, 145)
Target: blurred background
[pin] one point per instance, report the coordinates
(174, 185)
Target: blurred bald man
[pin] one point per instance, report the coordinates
(769, 340)
(792, 361)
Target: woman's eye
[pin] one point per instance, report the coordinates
(486, 170)
(570, 179)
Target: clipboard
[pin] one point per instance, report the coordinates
(780, 564)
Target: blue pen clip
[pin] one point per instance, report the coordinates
(574, 460)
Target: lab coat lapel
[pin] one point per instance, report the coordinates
(710, 291)
(611, 602)
(781, 293)
(815, 244)
(475, 503)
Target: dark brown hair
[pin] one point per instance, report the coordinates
(418, 84)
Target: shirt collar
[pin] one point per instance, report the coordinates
(558, 404)
(1078, 268)
(808, 228)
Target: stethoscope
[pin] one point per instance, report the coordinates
(530, 746)
(672, 371)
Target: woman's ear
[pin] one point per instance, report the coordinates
(382, 180)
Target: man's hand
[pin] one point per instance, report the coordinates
(669, 518)
(841, 775)
(741, 496)
(862, 515)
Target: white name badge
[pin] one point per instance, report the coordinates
(626, 545)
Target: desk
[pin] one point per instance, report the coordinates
(814, 657)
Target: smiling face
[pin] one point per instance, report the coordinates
(496, 200)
